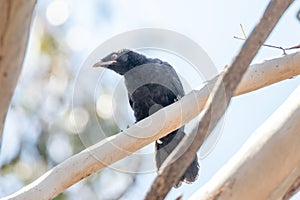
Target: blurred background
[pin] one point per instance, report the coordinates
(47, 123)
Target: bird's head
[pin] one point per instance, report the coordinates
(121, 61)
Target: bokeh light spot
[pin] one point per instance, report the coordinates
(59, 147)
(104, 106)
(57, 12)
(78, 119)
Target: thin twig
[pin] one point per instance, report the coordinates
(266, 45)
(294, 47)
(244, 33)
(269, 45)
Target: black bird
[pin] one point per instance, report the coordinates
(151, 85)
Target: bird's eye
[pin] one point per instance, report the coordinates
(114, 56)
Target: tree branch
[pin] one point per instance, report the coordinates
(106, 153)
(15, 18)
(178, 161)
(268, 164)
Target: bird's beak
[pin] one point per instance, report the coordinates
(104, 63)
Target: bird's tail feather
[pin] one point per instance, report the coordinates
(166, 145)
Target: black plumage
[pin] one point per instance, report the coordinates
(151, 85)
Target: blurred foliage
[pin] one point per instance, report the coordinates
(40, 130)
(48, 44)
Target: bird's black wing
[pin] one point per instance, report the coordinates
(155, 82)
(171, 76)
